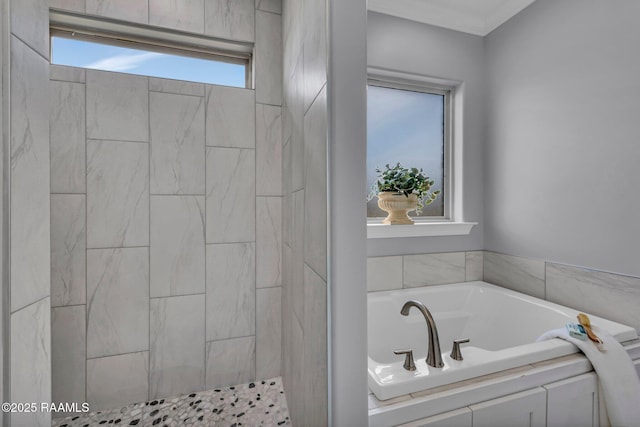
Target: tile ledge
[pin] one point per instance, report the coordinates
(419, 229)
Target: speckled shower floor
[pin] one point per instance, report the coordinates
(262, 403)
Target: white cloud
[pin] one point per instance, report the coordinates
(123, 62)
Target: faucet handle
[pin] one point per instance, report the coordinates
(456, 354)
(409, 365)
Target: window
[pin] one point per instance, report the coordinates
(409, 124)
(110, 45)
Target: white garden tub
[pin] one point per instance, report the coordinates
(503, 326)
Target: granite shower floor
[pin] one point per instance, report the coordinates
(261, 403)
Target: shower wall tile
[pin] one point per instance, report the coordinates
(67, 137)
(296, 106)
(31, 361)
(181, 15)
(117, 301)
(177, 345)
(29, 151)
(273, 6)
(315, 203)
(434, 269)
(230, 362)
(286, 210)
(179, 87)
(67, 74)
(117, 104)
(520, 274)
(268, 241)
(268, 54)
(611, 296)
(117, 381)
(295, 392)
(126, 10)
(268, 332)
(230, 201)
(30, 23)
(384, 273)
(73, 5)
(474, 266)
(315, 49)
(117, 194)
(177, 253)
(68, 249)
(177, 144)
(231, 113)
(315, 349)
(230, 19)
(231, 297)
(297, 259)
(268, 150)
(68, 354)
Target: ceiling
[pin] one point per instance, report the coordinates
(478, 17)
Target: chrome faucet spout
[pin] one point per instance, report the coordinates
(434, 357)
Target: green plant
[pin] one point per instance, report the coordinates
(398, 179)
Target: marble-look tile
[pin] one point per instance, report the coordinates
(286, 189)
(433, 269)
(65, 73)
(117, 301)
(315, 49)
(297, 259)
(179, 87)
(384, 273)
(68, 354)
(474, 266)
(30, 23)
(30, 363)
(117, 381)
(176, 346)
(520, 274)
(297, 129)
(315, 202)
(608, 295)
(177, 254)
(296, 391)
(68, 249)
(117, 194)
(315, 349)
(125, 10)
(67, 137)
(268, 332)
(273, 6)
(268, 150)
(268, 241)
(268, 58)
(177, 144)
(231, 113)
(231, 294)
(230, 361)
(181, 15)
(117, 105)
(29, 151)
(231, 190)
(73, 5)
(230, 19)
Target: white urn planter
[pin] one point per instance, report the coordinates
(398, 206)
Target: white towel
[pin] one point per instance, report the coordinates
(618, 378)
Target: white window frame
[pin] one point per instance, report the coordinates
(451, 223)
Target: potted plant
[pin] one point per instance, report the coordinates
(400, 191)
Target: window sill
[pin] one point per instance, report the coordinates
(419, 229)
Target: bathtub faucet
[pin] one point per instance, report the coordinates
(434, 358)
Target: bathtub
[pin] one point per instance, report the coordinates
(502, 325)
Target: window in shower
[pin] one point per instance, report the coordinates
(409, 124)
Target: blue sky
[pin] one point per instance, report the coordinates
(406, 127)
(84, 54)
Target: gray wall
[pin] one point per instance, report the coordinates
(401, 45)
(304, 303)
(562, 135)
(166, 222)
(25, 140)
